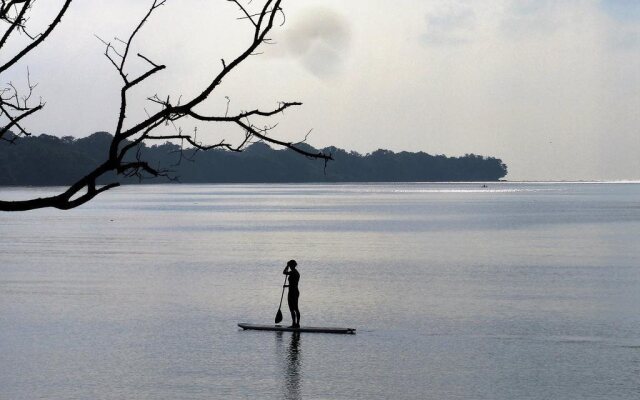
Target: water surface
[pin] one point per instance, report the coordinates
(515, 291)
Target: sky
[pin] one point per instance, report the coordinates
(552, 87)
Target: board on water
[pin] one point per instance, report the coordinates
(282, 328)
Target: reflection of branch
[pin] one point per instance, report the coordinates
(126, 139)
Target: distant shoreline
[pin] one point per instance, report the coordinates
(339, 183)
(52, 161)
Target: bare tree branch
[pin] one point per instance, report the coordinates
(13, 106)
(126, 140)
(39, 39)
(283, 106)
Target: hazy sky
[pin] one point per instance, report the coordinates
(550, 86)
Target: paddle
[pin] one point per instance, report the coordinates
(279, 314)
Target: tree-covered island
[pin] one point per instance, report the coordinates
(50, 161)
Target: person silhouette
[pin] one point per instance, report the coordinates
(294, 293)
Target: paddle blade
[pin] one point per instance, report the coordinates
(278, 316)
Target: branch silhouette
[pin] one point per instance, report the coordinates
(128, 139)
(14, 105)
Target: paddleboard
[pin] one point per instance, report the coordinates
(282, 328)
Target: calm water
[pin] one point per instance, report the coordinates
(516, 291)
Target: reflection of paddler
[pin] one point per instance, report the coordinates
(293, 368)
(291, 363)
(294, 293)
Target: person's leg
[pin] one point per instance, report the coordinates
(294, 309)
(293, 306)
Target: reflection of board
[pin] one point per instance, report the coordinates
(281, 328)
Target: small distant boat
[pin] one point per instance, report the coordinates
(308, 329)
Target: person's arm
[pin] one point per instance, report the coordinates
(286, 270)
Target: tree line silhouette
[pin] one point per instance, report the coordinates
(51, 161)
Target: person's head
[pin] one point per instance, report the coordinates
(292, 264)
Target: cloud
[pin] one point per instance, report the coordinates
(451, 26)
(320, 39)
